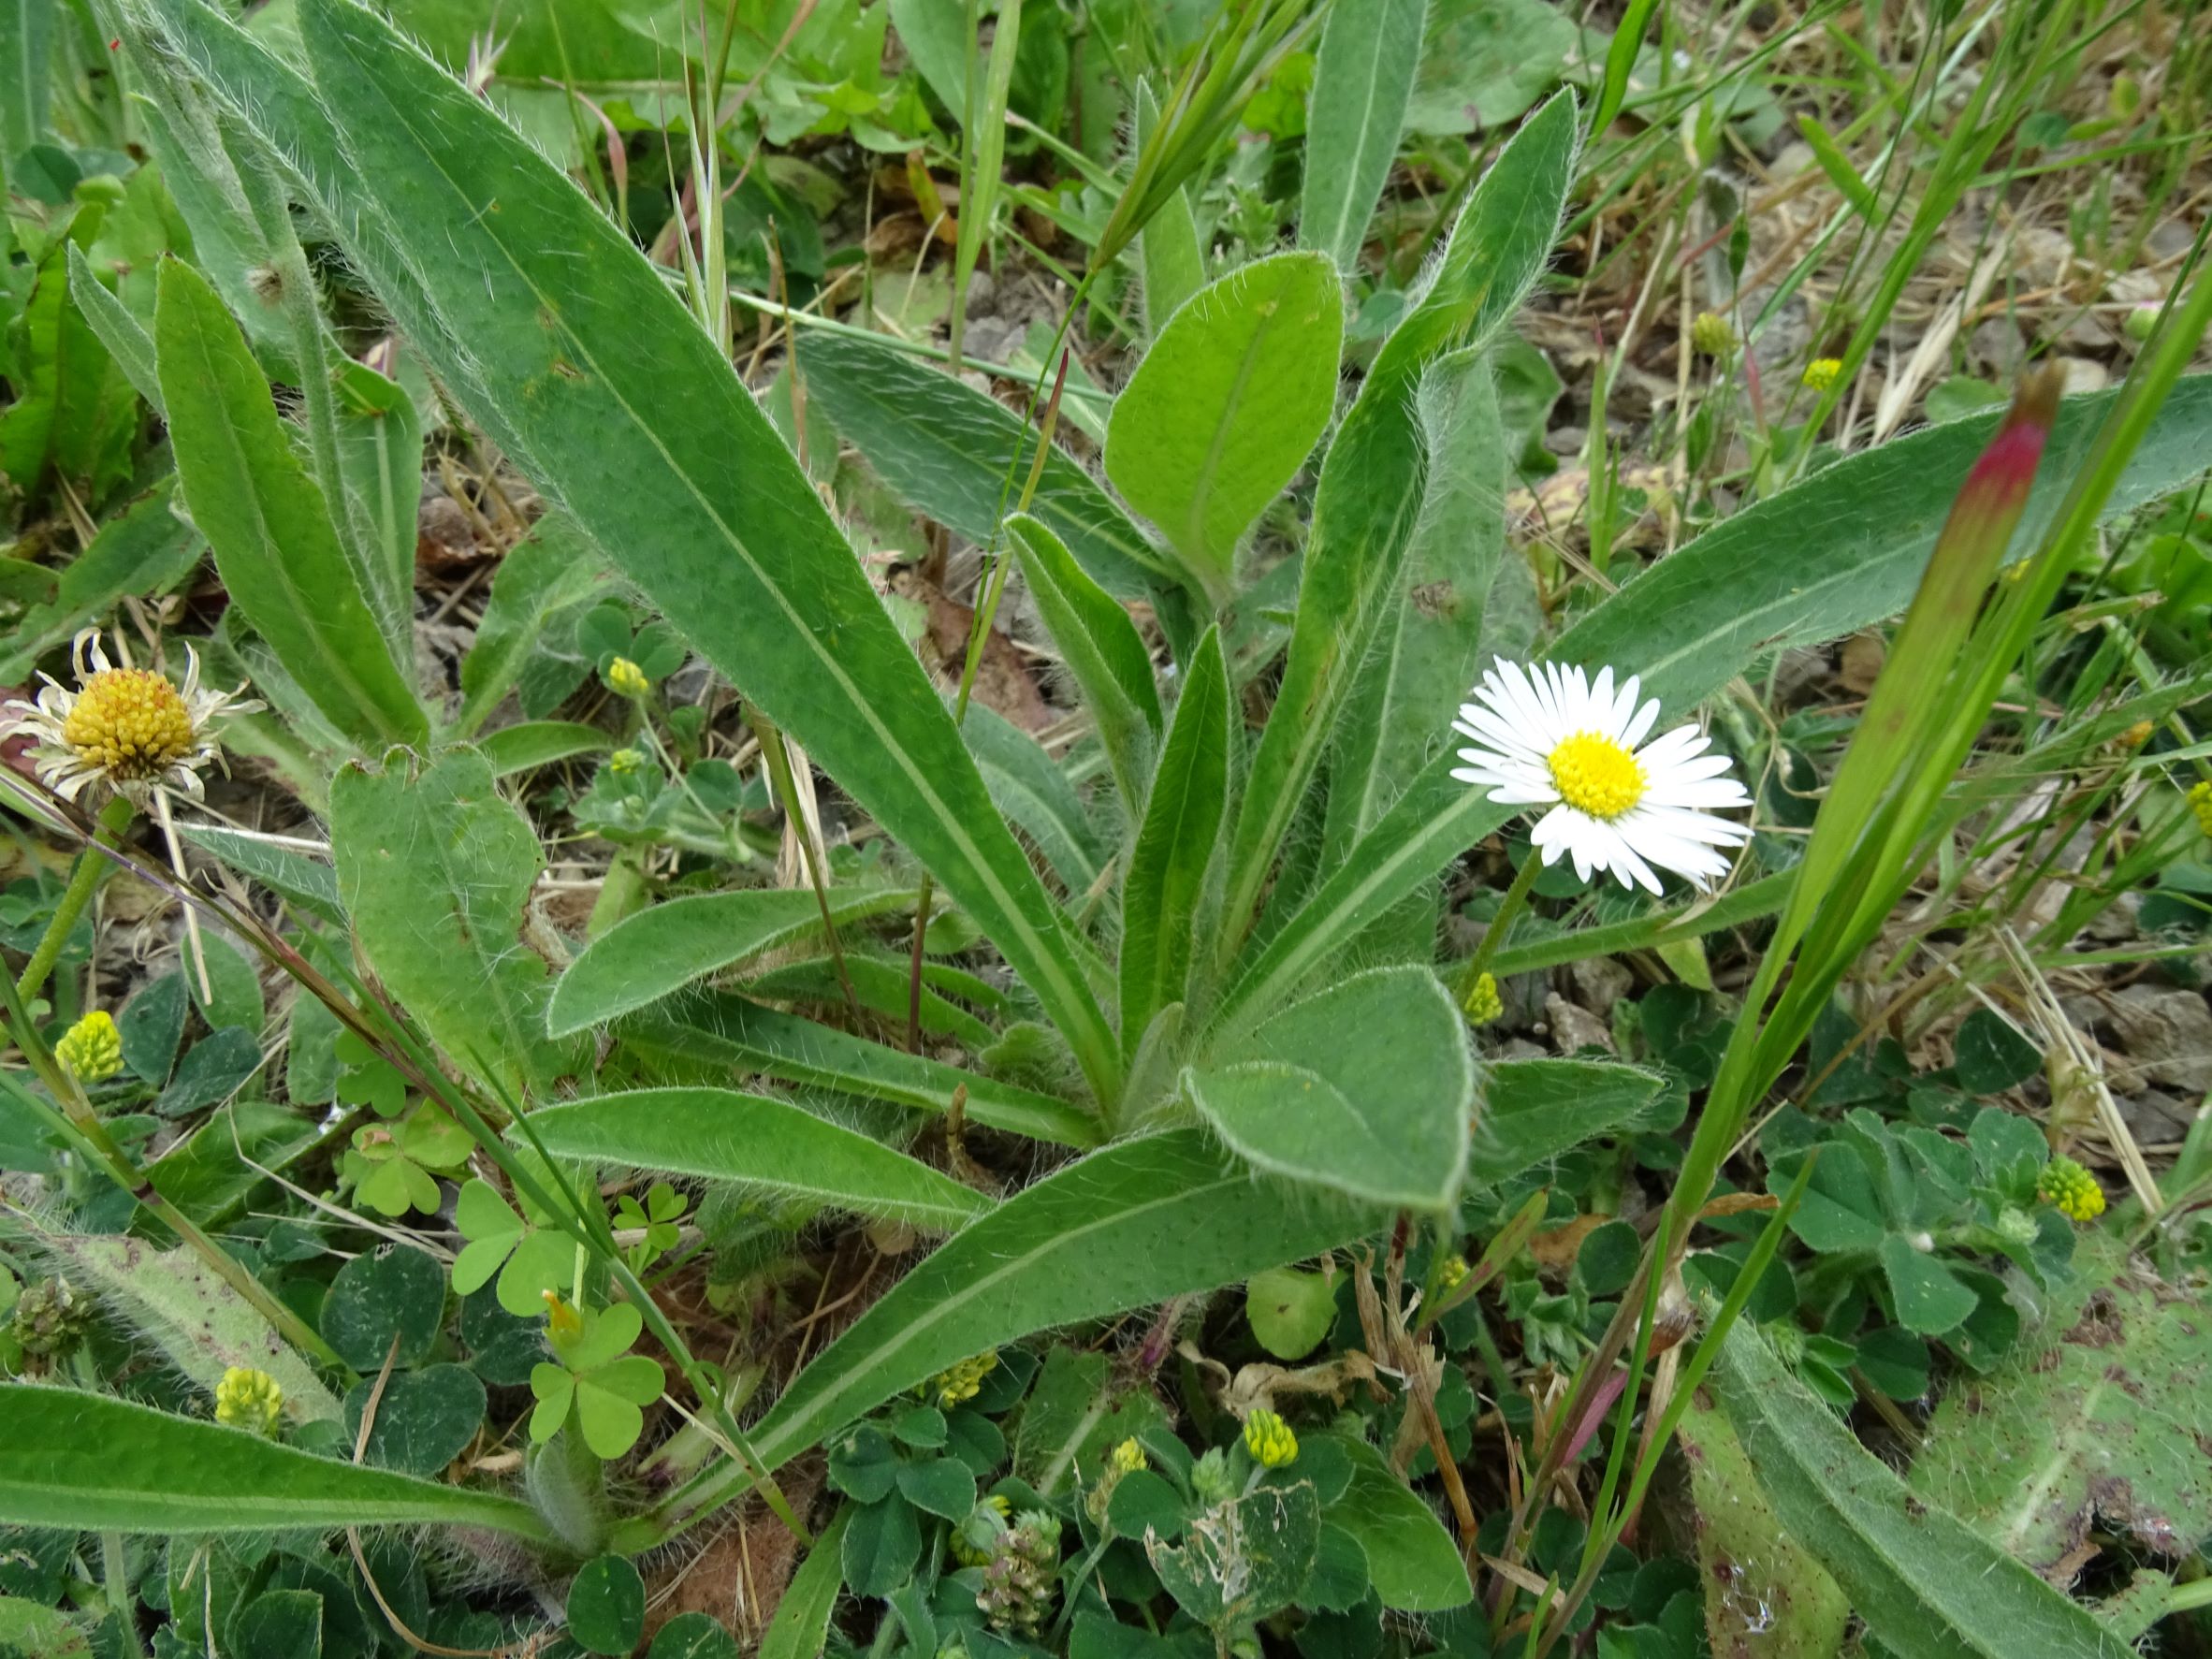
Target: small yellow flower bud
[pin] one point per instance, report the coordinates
(92, 1049)
(625, 678)
(248, 1399)
(969, 1547)
(625, 761)
(1129, 1457)
(1270, 1441)
(2071, 1191)
(1483, 1003)
(1451, 1275)
(2137, 736)
(962, 1381)
(2200, 802)
(1713, 335)
(1822, 373)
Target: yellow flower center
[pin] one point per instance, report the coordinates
(1595, 775)
(129, 722)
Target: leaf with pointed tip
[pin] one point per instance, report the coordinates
(76, 1461)
(658, 951)
(567, 345)
(1362, 82)
(721, 1135)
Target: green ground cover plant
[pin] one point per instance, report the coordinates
(961, 829)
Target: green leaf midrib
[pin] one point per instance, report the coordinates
(1067, 992)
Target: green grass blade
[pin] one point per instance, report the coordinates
(1167, 250)
(772, 1145)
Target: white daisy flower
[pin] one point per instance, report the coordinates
(129, 730)
(1549, 736)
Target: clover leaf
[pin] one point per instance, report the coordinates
(536, 1259)
(597, 1382)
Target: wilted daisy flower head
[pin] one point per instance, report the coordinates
(1549, 736)
(125, 729)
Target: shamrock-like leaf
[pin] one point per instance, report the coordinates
(658, 1216)
(434, 1139)
(368, 1079)
(383, 1177)
(538, 1258)
(597, 1380)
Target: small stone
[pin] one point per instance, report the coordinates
(2082, 375)
(2167, 1038)
(1599, 982)
(1574, 1029)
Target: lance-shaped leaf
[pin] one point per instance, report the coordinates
(1363, 81)
(571, 349)
(948, 450)
(1101, 649)
(728, 1030)
(1371, 483)
(75, 1460)
(1226, 407)
(658, 951)
(721, 1135)
(1139, 1222)
(266, 520)
(1174, 846)
(1366, 1088)
(1926, 1584)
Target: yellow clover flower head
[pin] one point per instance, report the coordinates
(965, 1380)
(2071, 1191)
(129, 730)
(248, 1399)
(92, 1049)
(1451, 1275)
(1822, 373)
(1270, 1441)
(2200, 802)
(1483, 1003)
(2137, 736)
(1713, 335)
(1129, 1457)
(624, 761)
(969, 1546)
(625, 678)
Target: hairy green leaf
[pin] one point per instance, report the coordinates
(721, 1135)
(1363, 81)
(1927, 1585)
(1226, 407)
(76, 1461)
(661, 950)
(267, 522)
(1160, 898)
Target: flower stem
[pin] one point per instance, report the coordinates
(84, 876)
(1493, 937)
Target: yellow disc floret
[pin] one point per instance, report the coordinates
(248, 1399)
(2071, 1191)
(92, 1049)
(1270, 1441)
(130, 723)
(1595, 775)
(1482, 1002)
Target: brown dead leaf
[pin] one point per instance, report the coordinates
(1003, 683)
(1863, 657)
(1555, 1249)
